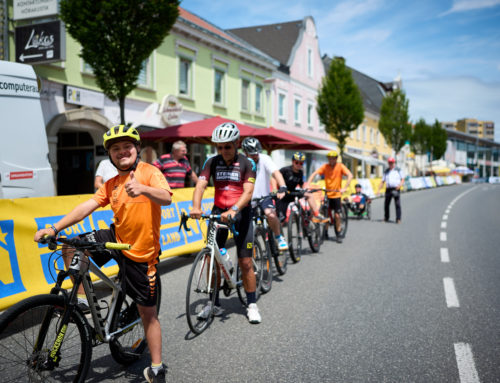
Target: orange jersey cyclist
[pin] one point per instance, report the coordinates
(136, 195)
(234, 178)
(333, 172)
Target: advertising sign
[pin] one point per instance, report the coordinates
(170, 110)
(40, 43)
(31, 9)
(85, 97)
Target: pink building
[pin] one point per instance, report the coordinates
(294, 86)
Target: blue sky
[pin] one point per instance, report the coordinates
(446, 51)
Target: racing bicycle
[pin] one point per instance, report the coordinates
(206, 278)
(47, 338)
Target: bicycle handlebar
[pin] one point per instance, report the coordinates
(82, 244)
(185, 217)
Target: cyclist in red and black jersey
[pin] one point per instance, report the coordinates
(234, 178)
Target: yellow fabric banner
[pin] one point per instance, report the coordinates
(27, 268)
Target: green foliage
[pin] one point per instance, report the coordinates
(340, 107)
(421, 137)
(117, 36)
(438, 141)
(394, 118)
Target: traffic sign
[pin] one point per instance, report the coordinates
(41, 43)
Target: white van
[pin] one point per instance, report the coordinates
(25, 170)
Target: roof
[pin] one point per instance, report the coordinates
(211, 29)
(372, 91)
(276, 40)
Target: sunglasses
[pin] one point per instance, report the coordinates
(298, 162)
(225, 147)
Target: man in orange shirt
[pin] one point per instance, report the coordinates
(136, 195)
(333, 172)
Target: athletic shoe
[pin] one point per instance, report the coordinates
(253, 313)
(319, 219)
(282, 245)
(209, 309)
(83, 305)
(339, 239)
(152, 378)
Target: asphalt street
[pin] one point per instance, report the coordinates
(392, 303)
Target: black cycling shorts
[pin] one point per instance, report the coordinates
(335, 204)
(244, 227)
(141, 279)
(266, 203)
(282, 205)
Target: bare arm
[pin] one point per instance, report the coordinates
(98, 182)
(199, 189)
(311, 177)
(349, 179)
(76, 215)
(194, 177)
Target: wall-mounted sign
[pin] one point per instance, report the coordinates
(31, 9)
(170, 110)
(41, 43)
(85, 97)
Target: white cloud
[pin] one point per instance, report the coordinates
(471, 5)
(454, 98)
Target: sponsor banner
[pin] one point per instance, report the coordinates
(28, 268)
(21, 175)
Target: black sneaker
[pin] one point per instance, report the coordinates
(339, 239)
(152, 378)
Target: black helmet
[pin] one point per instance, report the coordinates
(357, 186)
(251, 145)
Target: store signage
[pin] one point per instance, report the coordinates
(40, 43)
(31, 9)
(84, 97)
(170, 110)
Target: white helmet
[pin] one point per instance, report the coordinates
(226, 132)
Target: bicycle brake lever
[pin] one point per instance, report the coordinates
(183, 222)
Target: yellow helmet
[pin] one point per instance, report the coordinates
(332, 153)
(120, 131)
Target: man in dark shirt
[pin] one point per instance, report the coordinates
(175, 166)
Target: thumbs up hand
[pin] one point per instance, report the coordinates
(133, 187)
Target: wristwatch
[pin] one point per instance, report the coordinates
(235, 208)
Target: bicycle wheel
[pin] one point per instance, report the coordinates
(127, 346)
(314, 236)
(28, 332)
(369, 211)
(258, 266)
(323, 210)
(344, 219)
(294, 237)
(267, 268)
(199, 293)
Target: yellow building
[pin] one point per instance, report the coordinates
(481, 129)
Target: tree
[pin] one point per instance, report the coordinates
(116, 37)
(437, 141)
(420, 138)
(340, 107)
(394, 118)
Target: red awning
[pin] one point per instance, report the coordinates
(201, 132)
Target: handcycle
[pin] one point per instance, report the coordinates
(48, 338)
(353, 209)
(205, 278)
(265, 237)
(300, 224)
(326, 212)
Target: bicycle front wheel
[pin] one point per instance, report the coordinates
(294, 237)
(29, 332)
(267, 268)
(201, 292)
(128, 345)
(344, 219)
(314, 236)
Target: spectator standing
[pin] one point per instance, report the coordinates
(394, 181)
(105, 171)
(175, 166)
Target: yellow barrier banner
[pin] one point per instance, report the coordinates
(28, 268)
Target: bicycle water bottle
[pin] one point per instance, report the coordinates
(227, 259)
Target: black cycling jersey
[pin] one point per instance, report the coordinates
(292, 179)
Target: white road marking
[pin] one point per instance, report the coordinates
(465, 362)
(445, 257)
(450, 293)
(445, 217)
(447, 211)
(442, 236)
(443, 225)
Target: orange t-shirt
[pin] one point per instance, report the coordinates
(137, 220)
(333, 177)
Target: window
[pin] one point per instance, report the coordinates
(258, 98)
(219, 87)
(364, 133)
(296, 111)
(310, 116)
(145, 78)
(282, 106)
(378, 137)
(358, 133)
(309, 63)
(185, 77)
(245, 94)
(371, 136)
(87, 68)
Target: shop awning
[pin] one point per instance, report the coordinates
(201, 132)
(367, 159)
